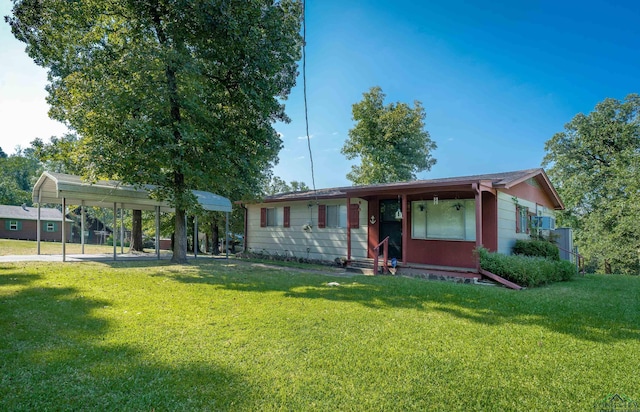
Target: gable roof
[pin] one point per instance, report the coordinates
(503, 180)
(30, 213)
(52, 187)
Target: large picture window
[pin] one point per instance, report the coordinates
(447, 219)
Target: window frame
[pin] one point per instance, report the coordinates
(467, 223)
(336, 216)
(50, 227)
(271, 217)
(14, 225)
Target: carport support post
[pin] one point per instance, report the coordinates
(158, 232)
(115, 224)
(226, 233)
(121, 230)
(64, 229)
(195, 236)
(38, 228)
(82, 225)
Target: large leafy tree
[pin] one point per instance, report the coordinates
(177, 93)
(390, 140)
(595, 165)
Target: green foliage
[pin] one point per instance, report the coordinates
(526, 271)
(142, 336)
(180, 94)
(277, 185)
(595, 165)
(540, 248)
(389, 140)
(18, 174)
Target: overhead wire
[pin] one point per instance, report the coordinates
(304, 90)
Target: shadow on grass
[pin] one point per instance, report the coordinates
(54, 355)
(592, 308)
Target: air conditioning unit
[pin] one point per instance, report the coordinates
(543, 222)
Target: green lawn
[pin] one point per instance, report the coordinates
(10, 247)
(235, 336)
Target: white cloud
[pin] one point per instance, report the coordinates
(305, 137)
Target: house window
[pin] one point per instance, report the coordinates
(272, 219)
(336, 216)
(51, 227)
(448, 219)
(13, 225)
(522, 219)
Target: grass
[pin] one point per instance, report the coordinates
(214, 335)
(10, 247)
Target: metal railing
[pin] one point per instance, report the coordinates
(385, 256)
(576, 258)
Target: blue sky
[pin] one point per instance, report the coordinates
(497, 79)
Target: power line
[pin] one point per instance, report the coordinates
(304, 88)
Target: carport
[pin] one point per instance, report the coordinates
(65, 189)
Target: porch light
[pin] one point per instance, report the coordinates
(398, 214)
(435, 200)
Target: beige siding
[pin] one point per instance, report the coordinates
(507, 235)
(323, 244)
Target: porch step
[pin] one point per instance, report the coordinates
(462, 275)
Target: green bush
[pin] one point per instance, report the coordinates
(540, 248)
(526, 271)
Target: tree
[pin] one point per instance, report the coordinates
(595, 165)
(18, 173)
(181, 94)
(278, 185)
(389, 140)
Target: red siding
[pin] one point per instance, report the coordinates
(490, 221)
(531, 193)
(28, 231)
(441, 252)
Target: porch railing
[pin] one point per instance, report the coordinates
(385, 256)
(575, 257)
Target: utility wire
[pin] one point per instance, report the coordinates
(304, 88)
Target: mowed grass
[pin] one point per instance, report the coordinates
(9, 247)
(216, 335)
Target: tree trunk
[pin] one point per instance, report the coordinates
(136, 231)
(180, 239)
(215, 237)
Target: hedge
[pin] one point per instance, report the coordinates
(540, 248)
(528, 271)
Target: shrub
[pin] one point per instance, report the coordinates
(526, 271)
(540, 248)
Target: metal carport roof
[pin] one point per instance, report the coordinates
(65, 189)
(53, 187)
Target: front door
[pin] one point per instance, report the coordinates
(391, 226)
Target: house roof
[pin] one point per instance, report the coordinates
(53, 187)
(30, 213)
(504, 180)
